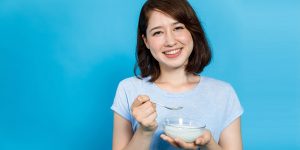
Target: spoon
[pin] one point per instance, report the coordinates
(168, 107)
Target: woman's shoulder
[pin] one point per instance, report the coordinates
(216, 83)
(133, 82)
(218, 87)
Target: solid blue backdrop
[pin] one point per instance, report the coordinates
(61, 61)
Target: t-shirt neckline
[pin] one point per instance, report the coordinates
(177, 94)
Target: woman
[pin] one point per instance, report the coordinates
(172, 51)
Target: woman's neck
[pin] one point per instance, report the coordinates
(177, 77)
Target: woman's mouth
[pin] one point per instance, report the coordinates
(173, 53)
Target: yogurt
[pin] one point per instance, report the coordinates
(185, 132)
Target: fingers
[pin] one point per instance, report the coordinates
(186, 145)
(179, 143)
(199, 142)
(141, 107)
(149, 120)
(204, 139)
(144, 111)
(169, 140)
(147, 106)
(140, 100)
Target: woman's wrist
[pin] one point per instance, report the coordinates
(145, 132)
(212, 145)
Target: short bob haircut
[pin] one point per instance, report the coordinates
(183, 12)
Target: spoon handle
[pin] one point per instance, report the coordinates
(168, 107)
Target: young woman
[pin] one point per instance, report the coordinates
(172, 51)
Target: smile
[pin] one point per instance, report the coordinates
(173, 53)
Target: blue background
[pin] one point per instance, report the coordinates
(61, 61)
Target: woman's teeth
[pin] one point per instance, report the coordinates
(172, 52)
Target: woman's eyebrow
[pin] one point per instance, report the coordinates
(175, 23)
(157, 27)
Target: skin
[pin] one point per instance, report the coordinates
(163, 35)
(144, 111)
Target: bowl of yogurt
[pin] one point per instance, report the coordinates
(186, 129)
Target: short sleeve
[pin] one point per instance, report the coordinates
(120, 104)
(233, 108)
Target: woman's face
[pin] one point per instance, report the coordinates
(169, 41)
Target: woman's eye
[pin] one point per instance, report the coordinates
(157, 33)
(179, 28)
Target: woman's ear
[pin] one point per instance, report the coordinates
(145, 41)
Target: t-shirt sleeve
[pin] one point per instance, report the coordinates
(233, 109)
(120, 104)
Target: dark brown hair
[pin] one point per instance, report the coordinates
(181, 11)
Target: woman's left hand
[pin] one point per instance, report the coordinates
(201, 141)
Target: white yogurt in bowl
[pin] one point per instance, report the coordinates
(186, 129)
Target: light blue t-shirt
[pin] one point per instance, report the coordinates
(212, 101)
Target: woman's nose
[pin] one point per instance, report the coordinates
(170, 39)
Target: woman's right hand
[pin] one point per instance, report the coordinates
(144, 111)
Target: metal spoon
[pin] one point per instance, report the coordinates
(168, 107)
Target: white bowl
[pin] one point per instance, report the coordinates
(183, 128)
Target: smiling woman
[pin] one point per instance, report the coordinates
(169, 41)
(172, 51)
(165, 17)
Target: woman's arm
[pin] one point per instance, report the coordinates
(124, 138)
(231, 138)
(122, 132)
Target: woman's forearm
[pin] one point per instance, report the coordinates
(141, 140)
